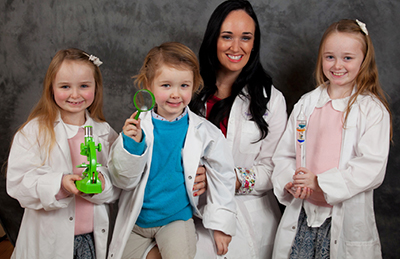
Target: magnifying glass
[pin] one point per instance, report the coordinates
(144, 101)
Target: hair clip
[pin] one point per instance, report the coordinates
(363, 26)
(95, 60)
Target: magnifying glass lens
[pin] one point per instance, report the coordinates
(144, 101)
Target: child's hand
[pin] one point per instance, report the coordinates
(305, 178)
(222, 242)
(200, 181)
(102, 180)
(132, 128)
(68, 183)
(298, 192)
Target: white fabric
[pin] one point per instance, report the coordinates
(316, 215)
(205, 144)
(337, 104)
(349, 188)
(47, 228)
(258, 213)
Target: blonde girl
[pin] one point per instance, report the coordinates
(329, 201)
(59, 221)
(155, 159)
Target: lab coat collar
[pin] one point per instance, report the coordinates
(245, 91)
(337, 104)
(100, 131)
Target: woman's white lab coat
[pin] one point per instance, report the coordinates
(47, 228)
(258, 213)
(204, 144)
(349, 188)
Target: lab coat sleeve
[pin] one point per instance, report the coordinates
(263, 165)
(220, 210)
(126, 169)
(29, 179)
(367, 166)
(284, 160)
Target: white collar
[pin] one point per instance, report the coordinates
(337, 104)
(159, 117)
(70, 129)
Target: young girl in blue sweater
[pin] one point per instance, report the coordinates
(155, 160)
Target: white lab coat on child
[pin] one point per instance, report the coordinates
(204, 144)
(349, 188)
(47, 228)
(258, 213)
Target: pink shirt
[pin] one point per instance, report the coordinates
(83, 208)
(324, 141)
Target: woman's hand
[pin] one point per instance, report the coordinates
(222, 241)
(132, 128)
(238, 184)
(200, 182)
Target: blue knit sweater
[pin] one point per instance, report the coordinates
(165, 199)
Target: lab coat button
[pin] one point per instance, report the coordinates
(71, 218)
(293, 227)
(335, 242)
(103, 230)
(190, 177)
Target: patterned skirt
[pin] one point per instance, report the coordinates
(311, 242)
(84, 247)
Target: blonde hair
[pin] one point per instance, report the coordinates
(46, 110)
(367, 80)
(173, 54)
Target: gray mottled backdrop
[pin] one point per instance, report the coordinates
(122, 32)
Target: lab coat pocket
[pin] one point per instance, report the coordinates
(262, 220)
(249, 143)
(359, 220)
(363, 250)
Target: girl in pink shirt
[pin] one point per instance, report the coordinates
(59, 221)
(329, 197)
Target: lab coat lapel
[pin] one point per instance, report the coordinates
(192, 151)
(349, 135)
(62, 142)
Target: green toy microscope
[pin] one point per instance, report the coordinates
(90, 182)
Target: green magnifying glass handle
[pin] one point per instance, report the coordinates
(137, 115)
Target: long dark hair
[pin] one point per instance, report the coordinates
(252, 75)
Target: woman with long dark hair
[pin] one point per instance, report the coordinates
(239, 98)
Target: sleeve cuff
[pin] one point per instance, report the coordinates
(133, 147)
(62, 193)
(247, 178)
